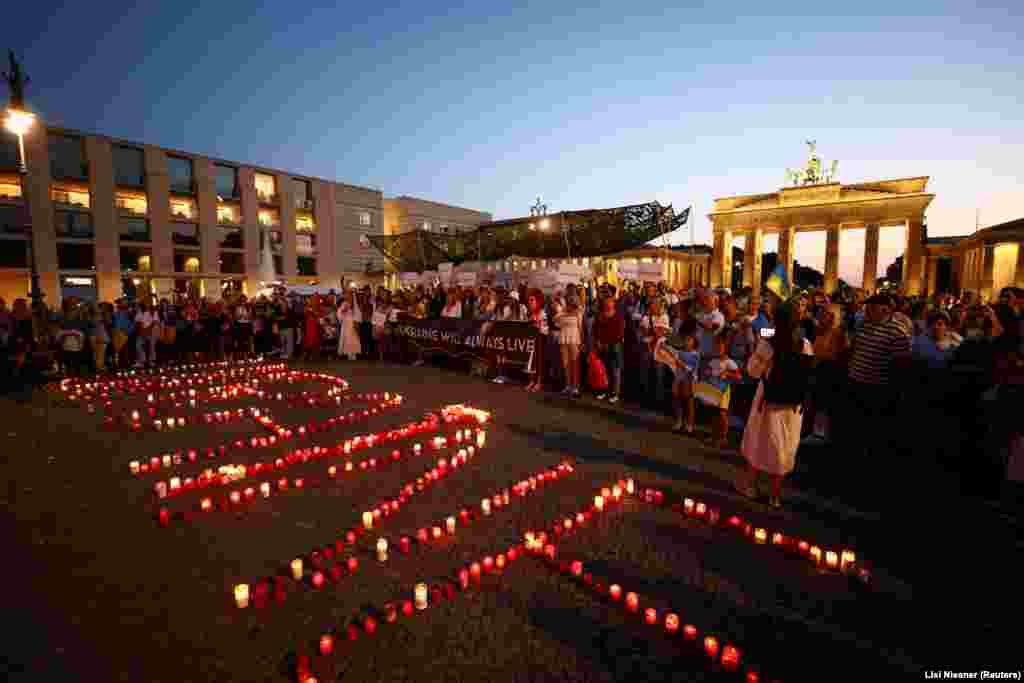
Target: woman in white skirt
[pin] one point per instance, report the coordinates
(349, 315)
(772, 433)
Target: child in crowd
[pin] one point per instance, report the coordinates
(717, 376)
(684, 363)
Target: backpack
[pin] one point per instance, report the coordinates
(788, 381)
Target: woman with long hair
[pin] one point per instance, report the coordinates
(349, 316)
(772, 435)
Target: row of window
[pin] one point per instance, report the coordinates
(71, 256)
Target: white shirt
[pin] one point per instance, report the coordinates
(655, 321)
(707, 337)
(145, 319)
(717, 366)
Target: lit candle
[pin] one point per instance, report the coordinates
(382, 549)
(760, 535)
(235, 497)
(632, 602)
(599, 503)
(265, 489)
(630, 486)
(367, 520)
(436, 532)
(481, 438)
(832, 559)
(690, 632)
(206, 504)
(485, 505)
(671, 622)
(405, 543)
(474, 570)
(847, 560)
(815, 552)
(778, 539)
(326, 644)
(616, 492)
(651, 616)
(488, 564)
(700, 509)
(499, 562)
(318, 579)
(730, 658)
(711, 646)
(688, 504)
(175, 483)
(134, 466)
(450, 524)
(161, 489)
(297, 568)
(135, 416)
(332, 471)
(421, 596)
(242, 595)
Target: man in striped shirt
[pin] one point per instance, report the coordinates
(872, 394)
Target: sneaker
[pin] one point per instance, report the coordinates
(566, 391)
(499, 380)
(775, 502)
(677, 426)
(600, 397)
(613, 399)
(575, 393)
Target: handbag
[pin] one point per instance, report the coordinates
(597, 374)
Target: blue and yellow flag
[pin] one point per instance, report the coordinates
(778, 282)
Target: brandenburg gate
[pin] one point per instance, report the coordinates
(816, 202)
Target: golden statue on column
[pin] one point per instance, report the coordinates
(812, 173)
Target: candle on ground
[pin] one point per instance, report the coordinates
(421, 596)
(632, 602)
(242, 595)
(297, 568)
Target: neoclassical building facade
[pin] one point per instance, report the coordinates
(828, 207)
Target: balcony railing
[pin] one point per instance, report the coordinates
(70, 199)
(303, 204)
(181, 187)
(130, 209)
(266, 197)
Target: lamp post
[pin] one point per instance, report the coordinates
(19, 122)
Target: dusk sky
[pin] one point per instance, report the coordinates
(488, 105)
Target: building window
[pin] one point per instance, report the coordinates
(232, 263)
(426, 225)
(186, 262)
(185, 233)
(232, 238)
(304, 223)
(306, 265)
(74, 224)
(266, 187)
(129, 166)
(70, 195)
(67, 157)
(136, 259)
(303, 194)
(133, 229)
(365, 218)
(131, 203)
(227, 182)
(229, 214)
(75, 256)
(269, 218)
(10, 157)
(183, 209)
(278, 265)
(14, 220)
(305, 243)
(14, 254)
(10, 187)
(179, 174)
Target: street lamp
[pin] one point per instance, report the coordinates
(20, 122)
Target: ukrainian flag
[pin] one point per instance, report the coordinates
(778, 282)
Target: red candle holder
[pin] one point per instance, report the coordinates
(711, 646)
(730, 658)
(632, 602)
(326, 644)
(690, 632)
(615, 591)
(651, 616)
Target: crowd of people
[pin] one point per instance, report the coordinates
(699, 355)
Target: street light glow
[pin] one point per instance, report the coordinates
(19, 122)
(544, 224)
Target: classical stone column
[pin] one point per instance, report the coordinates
(987, 283)
(104, 218)
(930, 286)
(870, 258)
(831, 258)
(1018, 278)
(752, 248)
(719, 260)
(913, 257)
(787, 240)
